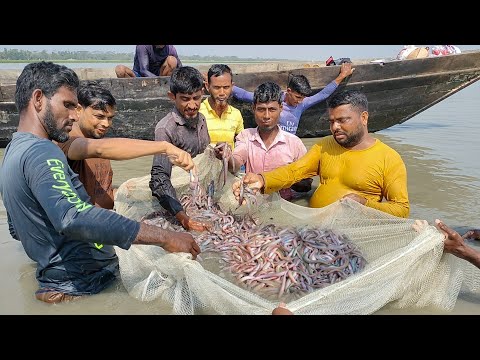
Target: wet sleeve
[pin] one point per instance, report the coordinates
(160, 180)
(242, 95)
(320, 96)
(68, 209)
(143, 61)
(394, 189)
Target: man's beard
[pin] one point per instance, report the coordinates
(350, 140)
(192, 121)
(220, 103)
(51, 128)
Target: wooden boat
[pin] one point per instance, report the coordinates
(396, 90)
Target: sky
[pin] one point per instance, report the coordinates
(289, 52)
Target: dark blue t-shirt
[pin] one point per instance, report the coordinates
(49, 212)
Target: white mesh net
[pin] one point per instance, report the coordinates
(404, 268)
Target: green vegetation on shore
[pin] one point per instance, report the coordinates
(15, 55)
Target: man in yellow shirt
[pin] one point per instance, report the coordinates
(224, 121)
(351, 163)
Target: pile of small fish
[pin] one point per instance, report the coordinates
(268, 260)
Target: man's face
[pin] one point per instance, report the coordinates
(267, 115)
(94, 123)
(293, 98)
(188, 104)
(220, 89)
(348, 125)
(59, 114)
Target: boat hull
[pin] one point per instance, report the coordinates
(396, 91)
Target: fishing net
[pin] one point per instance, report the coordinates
(384, 260)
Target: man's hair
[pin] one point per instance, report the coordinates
(92, 94)
(218, 70)
(299, 84)
(355, 98)
(267, 92)
(46, 76)
(186, 80)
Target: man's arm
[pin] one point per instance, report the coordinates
(125, 149)
(163, 190)
(395, 189)
(242, 95)
(172, 241)
(285, 176)
(345, 71)
(161, 185)
(64, 200)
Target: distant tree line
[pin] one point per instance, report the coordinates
(15, 54)
(80, 56)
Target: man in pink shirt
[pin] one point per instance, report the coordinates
(267, 147)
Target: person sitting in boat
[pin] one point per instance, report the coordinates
(151, 61)
(297, 98)
(351, 163)
(224, 121)
(268, 147)
(185, 127)
(89, 154)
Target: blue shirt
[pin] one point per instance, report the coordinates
(290, 115)
(49, 212)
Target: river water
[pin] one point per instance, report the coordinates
(439, 146)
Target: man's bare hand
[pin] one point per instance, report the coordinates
(182, 242)
(453, 242)
(180, 158)
(253, 181)
(218, 150)
(189, 224)
(345, 71)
